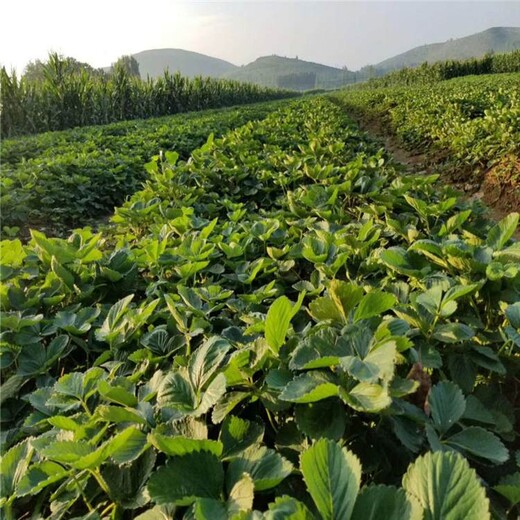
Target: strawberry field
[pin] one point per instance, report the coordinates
(61, 180)
(470, 125)
(283, 326)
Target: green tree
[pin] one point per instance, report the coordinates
(129, 64)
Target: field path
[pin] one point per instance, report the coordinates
(498, 204)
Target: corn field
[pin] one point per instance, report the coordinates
(66, 98)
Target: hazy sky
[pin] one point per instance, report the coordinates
(335, 33)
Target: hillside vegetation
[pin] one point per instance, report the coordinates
(276, 71)
(493, 40)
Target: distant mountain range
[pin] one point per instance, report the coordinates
(298, 74)
(496, 39)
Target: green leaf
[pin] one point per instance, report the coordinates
(13, 467)
(512, 313)
(208, 509)
(500, 233)
(237, 435)
(446, 488)
(117, 394)
(326, 419)
(453, 332)
(366, 397)
(179, 445)
(345, 296)
(206, 360)
(509, 487)
(375, 303)
(319, 350)
(447, 405)
(39, 476)
(241, 495)
(157, 513)
(127, 445)
(266, 467)
(176, 392)
(476, 441)
(287, 508)
(184, 479)
(385, 503)
(277, 322)
(117, 414)
(324, 309)
(332, 475)
(309, 387)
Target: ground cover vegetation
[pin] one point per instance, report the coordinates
(283, 326)
(471, 125)
(67, 96)
(61, 180)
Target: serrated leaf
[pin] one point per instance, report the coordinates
(326, 419)
(332, 475)
(447, 405)
(277, 322)
(385, 503)
(375, 303)
(179, 445)
(206, 360)
(476, 441)
(287, 508)
(499, 234)
(39, 476)
(453, 332)
(241, 495)
(266, 467)
(509, 487)
(238, 434)
(309, 387)
(184, 479)
(366, 397)
(446, 487)
(13, 466)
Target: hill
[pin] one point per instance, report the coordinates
(496, 39)
(277, 71)
(153, 62)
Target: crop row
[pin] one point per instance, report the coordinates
(280, 327)
(473, 122)
(59, 180)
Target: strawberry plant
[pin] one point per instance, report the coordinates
(283, 326)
